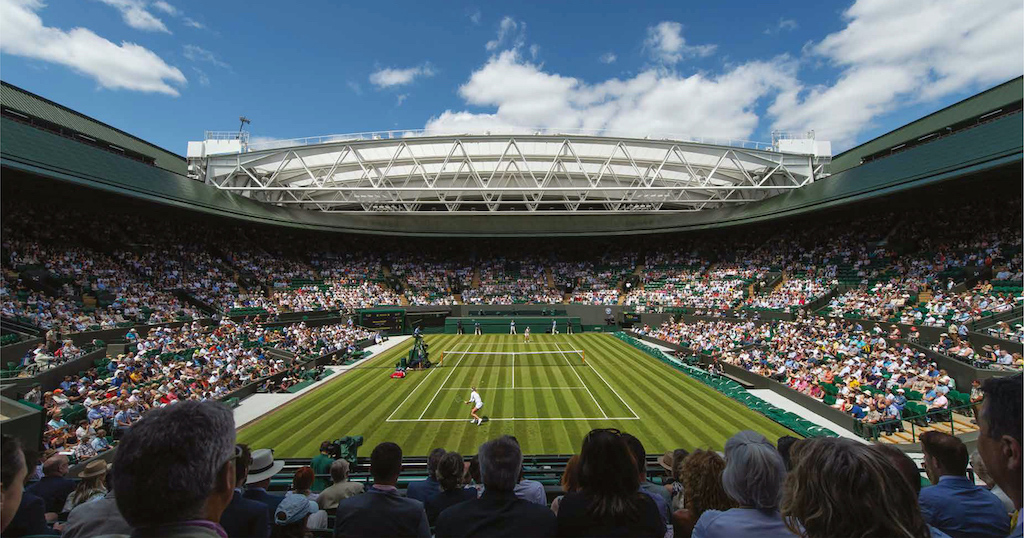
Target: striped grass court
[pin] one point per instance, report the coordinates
(548, 393)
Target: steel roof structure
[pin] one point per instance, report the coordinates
(549, 173)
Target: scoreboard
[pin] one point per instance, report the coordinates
(630, 318)
(383, 320)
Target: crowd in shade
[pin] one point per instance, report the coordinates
(332, 295)
(593, 282)
(818, 487)
(320, 340)
(89, 271)
(717, 289)
(430, 282)
(505, 282)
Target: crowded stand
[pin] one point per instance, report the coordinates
(793, 293)
(591, 283)
(506, 282)
(315, 341)
(192, 362)
(431, 283)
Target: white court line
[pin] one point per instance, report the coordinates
(581, 381)
(513, 373)
(508, 419)
(432, 370)
(613, 389)
(442, 385)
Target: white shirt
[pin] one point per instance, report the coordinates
(475, 398)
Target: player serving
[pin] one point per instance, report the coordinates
(474, 398)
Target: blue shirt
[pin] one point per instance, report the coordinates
(746, 522)
(959, 508)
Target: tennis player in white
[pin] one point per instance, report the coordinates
(526, 335)
(474, 398)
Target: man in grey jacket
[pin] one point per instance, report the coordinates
(95, 519)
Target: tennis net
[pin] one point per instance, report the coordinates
(471, 359)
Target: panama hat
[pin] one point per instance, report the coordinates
(95, 467)
(263, 466)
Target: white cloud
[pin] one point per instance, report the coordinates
(192, 23)
(136, 15)
(666, 44)
(355, 87)
(526, 98)
(160, 5)
(510, 32)
(388, 77)
(896, 53)
(784, 25)
(126, 66)
(608, 58)
(204, 80)
(888, 55)
(475, 17)
(199, 54)
(401, 99)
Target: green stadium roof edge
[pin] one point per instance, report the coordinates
(992, 100)
(13, 98)
(984, 143)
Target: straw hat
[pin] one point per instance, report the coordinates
(96, 467)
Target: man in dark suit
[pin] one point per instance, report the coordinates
(262, 469)
(498, 512)
(381, 511)
(423, 491)
(244, 517)
(53, 487)
(30, 519)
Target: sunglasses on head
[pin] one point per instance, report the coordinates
(612, 431)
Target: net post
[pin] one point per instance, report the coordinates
(440, 361)
(583, 356)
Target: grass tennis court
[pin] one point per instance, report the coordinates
(548, 393)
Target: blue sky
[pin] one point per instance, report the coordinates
(168, 70)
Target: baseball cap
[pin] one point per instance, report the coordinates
(293, 508)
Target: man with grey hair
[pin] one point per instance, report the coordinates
(341, 488)
(175, 471)
(498, 512)
(753, 477)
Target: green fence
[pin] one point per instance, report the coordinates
(733, 390)
(500, 325)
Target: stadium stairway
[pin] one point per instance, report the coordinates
(475, 282)
(961, 425)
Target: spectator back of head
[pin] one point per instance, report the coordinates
(754, 471)
(433, 459)
(168, 463)
(500, 461)
(386, 462)
(339, 470)
(947, 451)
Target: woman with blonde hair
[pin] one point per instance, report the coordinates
(701, 477)
(839, 487)
(91, 487)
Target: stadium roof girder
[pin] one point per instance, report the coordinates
(503, 172)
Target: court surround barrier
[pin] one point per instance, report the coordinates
(733, 390)
(500, 324)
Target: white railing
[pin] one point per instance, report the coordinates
(420, 133)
